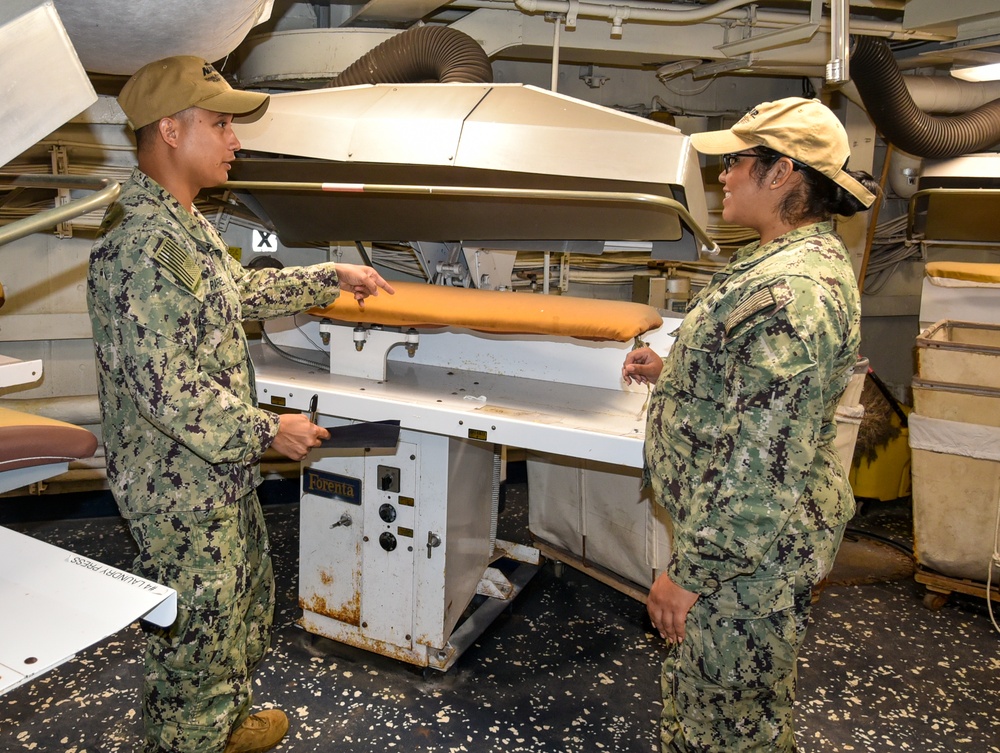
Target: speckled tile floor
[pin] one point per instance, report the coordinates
(571, 666)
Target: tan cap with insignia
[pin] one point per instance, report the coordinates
(165, 87)
(804, 129)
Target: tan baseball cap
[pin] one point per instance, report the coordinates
(165, 87)
(804, 129)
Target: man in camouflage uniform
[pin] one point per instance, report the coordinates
(181, 425)
(740, 435)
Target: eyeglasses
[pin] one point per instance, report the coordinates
(733, 158)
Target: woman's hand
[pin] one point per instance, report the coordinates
(642, 366)
(668, 605)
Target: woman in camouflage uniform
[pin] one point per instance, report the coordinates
(740, 433)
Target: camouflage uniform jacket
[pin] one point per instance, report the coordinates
(741, 427)
(181, 425)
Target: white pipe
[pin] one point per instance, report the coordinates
(837, 70)
(939, 94)
(555, 53)
(944, 94)
(664, 13)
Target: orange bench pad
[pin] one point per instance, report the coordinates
(422, 305)
(28, 440)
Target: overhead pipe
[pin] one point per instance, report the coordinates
(937, 94)
(726, 11)
(838, 69)
(637, 11)
(422, 53)
(904, 125)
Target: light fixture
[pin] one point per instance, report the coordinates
(977, 73)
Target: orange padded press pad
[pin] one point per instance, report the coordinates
(27, 440)
(418, 304)
(965, 271)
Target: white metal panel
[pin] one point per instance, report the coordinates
(54, 603)
(550, 133)
(32, 474)
(394, 124)
(44, 84)
(602, 424)
(964, 304)
(330, 544)
(467, 540)
(387, 572)
(14, 372)
(396, 577)
(416, 119)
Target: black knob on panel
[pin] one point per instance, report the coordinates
(387, 541)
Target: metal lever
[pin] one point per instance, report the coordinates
(433, 540)
(345, 520)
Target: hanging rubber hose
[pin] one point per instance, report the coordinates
(423, 53)
(902, 123)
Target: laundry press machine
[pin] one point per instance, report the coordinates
(399, 551)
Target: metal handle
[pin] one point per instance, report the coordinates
(660, 203)
(433, 540)
(106, 189)
(345, 521)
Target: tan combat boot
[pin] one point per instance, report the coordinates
(259, 732)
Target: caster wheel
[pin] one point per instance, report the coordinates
(934, 601)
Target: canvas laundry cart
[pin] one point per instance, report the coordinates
(955, 443)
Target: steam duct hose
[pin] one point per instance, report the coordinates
(902, 123)
(422, 53)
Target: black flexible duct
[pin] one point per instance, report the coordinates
(423, 53)
(902, 123)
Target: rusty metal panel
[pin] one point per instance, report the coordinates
(331, 533)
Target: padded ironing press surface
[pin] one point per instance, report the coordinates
(963, 271)
(27, 440)
(421, 305)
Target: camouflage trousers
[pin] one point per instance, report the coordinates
(729, 687)
(197, 685)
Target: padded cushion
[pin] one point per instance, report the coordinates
(418, 304)
(27, 440)
(965, 271)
